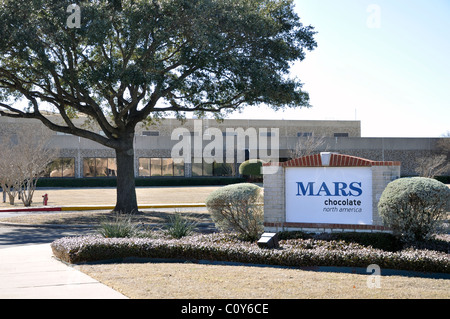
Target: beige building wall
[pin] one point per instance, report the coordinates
(154, 140)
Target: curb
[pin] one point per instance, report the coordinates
(95, 207)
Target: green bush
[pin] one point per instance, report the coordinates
(251, 168)
(238, 208)
(414, 208)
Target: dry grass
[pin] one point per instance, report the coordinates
(107, 196)
(97, 216)
(200, 281)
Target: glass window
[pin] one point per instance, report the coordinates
(150, 133)
(167, 167)
(304, 134)
(197, 169)
(155, 166)
(89, 167)
(178, 168)
(223, 169)
(112, 166)
(101, 167)
(144, 166)
(54, 169)
(340, 134)
(207, 169)
(61, 167)
(68, 167)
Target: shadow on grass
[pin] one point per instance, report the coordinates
(94, 218)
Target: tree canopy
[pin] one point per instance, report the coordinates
(132, 60)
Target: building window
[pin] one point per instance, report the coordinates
(223, 169)
(178, 168)
(99, 167)
(61, 167)
(202, 169)
(213, 169)
(166, 167)
(304, 134)
(144, 167)
(150, 133)
(268, 134)
(340, 134)
(157, 166)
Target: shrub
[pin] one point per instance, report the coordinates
(384, 241)
(414, 207)
(252, 169)
(228, 247)
(120, 227)
(179, 226)
(238, 208)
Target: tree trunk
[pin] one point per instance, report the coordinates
(11, 199)
(126, 189)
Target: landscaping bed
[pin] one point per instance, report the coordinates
(293, 252)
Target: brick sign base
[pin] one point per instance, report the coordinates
(382, 173)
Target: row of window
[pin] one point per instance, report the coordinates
(148, 166)
(156, 166)
(299, 134)
(310, 134)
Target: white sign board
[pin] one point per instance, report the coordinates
(336, 195)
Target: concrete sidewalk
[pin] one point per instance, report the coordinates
(31, 272)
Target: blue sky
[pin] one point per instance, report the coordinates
(384, 62)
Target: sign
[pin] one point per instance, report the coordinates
(336, 195)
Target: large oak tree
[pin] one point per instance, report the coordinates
(130, 60)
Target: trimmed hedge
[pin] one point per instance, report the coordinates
(228, 247)
(443, 179)
(140, 181)
(414, 207)
(384, 241)
(251, 167)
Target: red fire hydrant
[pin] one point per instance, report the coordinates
(45, 199)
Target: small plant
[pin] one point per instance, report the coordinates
(414, 208)
(180, 226)
(120, 227)
(238, 208)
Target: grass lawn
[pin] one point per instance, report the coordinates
(203, 281)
